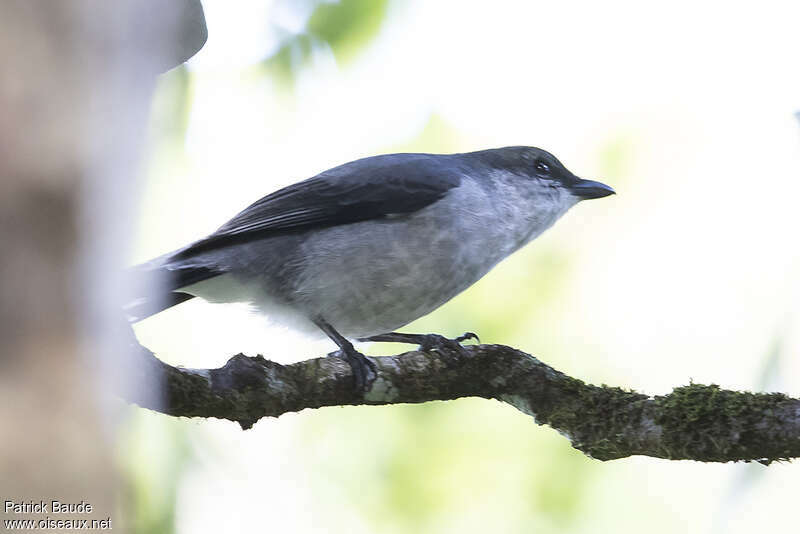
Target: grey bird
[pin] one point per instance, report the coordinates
(363, 249)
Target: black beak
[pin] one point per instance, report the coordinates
(587, 189)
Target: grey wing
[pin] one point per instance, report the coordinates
(370, 188)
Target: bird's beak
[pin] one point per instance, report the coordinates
(586, 189)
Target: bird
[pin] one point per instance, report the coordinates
(362, 249)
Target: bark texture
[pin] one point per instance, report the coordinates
(696, 422)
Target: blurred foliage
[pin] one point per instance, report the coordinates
(615, 158)
(519, 292)
(436, 136)
(169, 120)
(462, 466)
(155, 455)
(345, 27)
(769, 378)
(170, 109)
(291, 56)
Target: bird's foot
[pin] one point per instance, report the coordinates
(426, 342)
(364, 370)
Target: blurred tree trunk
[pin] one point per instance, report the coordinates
(75, 83)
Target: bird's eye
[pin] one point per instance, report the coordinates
(542, 167)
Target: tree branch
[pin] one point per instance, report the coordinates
(696, 422)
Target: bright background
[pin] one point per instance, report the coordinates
(690, 273)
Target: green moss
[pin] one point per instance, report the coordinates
(697, 422)
(597, 418)
(713, 424)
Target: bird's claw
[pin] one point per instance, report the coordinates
(467, 335)
(426, 342)
(364, 369)
(429, 342)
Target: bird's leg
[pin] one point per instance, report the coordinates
(426, 342)
(364, 370)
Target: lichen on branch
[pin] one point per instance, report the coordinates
(694, 422)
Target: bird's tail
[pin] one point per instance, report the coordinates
(156, 285)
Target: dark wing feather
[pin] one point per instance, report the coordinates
(365, 189)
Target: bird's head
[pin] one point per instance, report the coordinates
(532, 187)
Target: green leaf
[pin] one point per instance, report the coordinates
(347, 25)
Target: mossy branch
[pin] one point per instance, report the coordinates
(694, 422)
